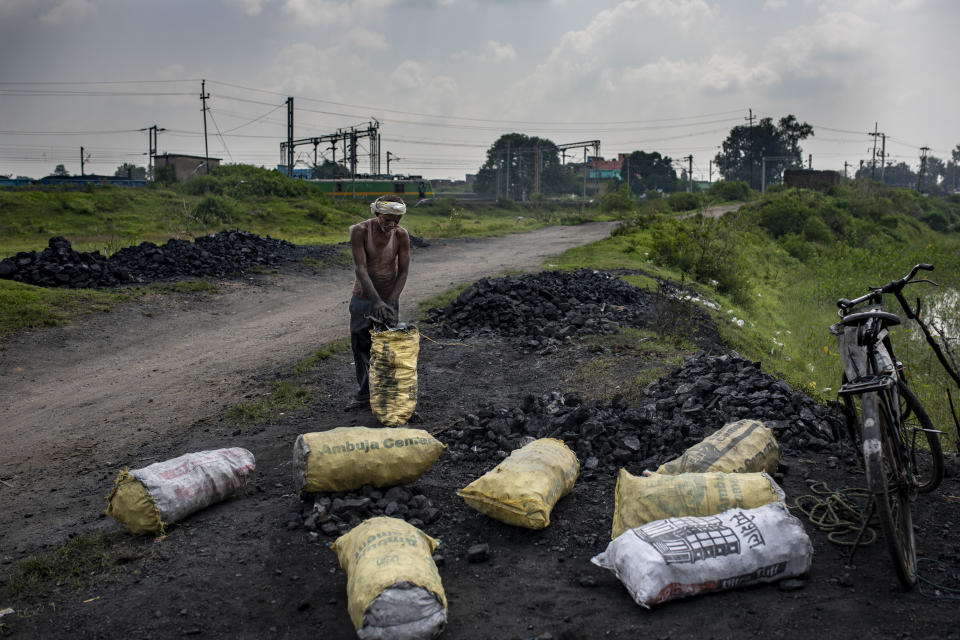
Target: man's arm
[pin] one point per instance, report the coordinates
(403, 265)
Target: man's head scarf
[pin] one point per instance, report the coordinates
(387, 207)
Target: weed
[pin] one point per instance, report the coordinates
(282, 398)
(320, 355)
(72, 565)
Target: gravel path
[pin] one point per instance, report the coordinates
(131, 375)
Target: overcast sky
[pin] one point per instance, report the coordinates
(445, 78)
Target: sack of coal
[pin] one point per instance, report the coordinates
(393, 587)
(393, 374)
(523, 489)
(679, 557)
(744, 446)
(639, 500)
(147, 500)
(346, 458)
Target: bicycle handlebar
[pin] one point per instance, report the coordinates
(894, 286)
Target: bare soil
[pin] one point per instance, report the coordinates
(150, 381)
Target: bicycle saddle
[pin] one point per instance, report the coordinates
(888, 319)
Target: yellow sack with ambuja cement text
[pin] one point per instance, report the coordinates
(640, 500)
(393, 587)
(347, 458)
(523, 489)
(393, 374)
(744, 446)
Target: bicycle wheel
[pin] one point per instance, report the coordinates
(889, 480)
(927, 463)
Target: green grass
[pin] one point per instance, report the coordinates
(25, 307)
(625, 362)
(73, 565)
(282, 398)
(321, 354)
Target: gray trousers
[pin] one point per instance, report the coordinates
(360, 342)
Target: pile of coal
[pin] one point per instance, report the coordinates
(333, 514)
(218, 255)
(677, 411)
(544, 309)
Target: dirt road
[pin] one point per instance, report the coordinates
(146, 368)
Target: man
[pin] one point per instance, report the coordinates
(381, 256)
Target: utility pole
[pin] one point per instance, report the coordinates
(873, 168)
(710, 171)
(81, 162)
(391, 156)
(810, 161)
(290, 136)
(204, 96)
(689, 159)
(923, 166)
(506, 188)
(353, 160)
(883, 157)
(586, 171)
(752, 159)
(845, 163)
(152, 147)
(536, 168)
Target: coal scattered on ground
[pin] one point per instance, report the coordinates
(334, 514)
(219, 255)
(679, 410)
(546, 309)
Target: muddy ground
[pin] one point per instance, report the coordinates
(247, 568)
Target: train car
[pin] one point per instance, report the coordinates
(410, 188)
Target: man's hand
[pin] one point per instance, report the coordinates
(384, 314)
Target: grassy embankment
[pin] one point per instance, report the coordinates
(777, 267)
(256, 200)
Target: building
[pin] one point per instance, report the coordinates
(184, 167)
(601, 169)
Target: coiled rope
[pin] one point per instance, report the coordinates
(840, 513)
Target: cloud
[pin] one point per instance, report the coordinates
(773, 5)
(501, 52)
(328, 12)
(249, 7)
(14, 8)
(68, 11)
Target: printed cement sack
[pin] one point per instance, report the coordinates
(743, 446)
(393, 588)
(347, 458)
(523, 489)
(393, 374)
(146, 500)
(679, 557)
(640, 500)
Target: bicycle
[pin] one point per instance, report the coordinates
(884, 417)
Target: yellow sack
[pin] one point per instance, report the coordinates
(393, 374)
(640, 500)
(132, 505)
(523, 489)
(347, 458)
(744, 446)
(393, 587)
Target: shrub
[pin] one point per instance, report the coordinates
(620, 200)
(816, 230)
(727, 190)
(683, 201)
(213, 210)
(797, 247)
(936, 221)
(704, 248)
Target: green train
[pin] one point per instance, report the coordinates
(408, 187)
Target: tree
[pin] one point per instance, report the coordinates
(511, 168)
(60, 171)
(329, 169)
(131, 171)
(895, 175)
(741, 157)
(646, 171)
